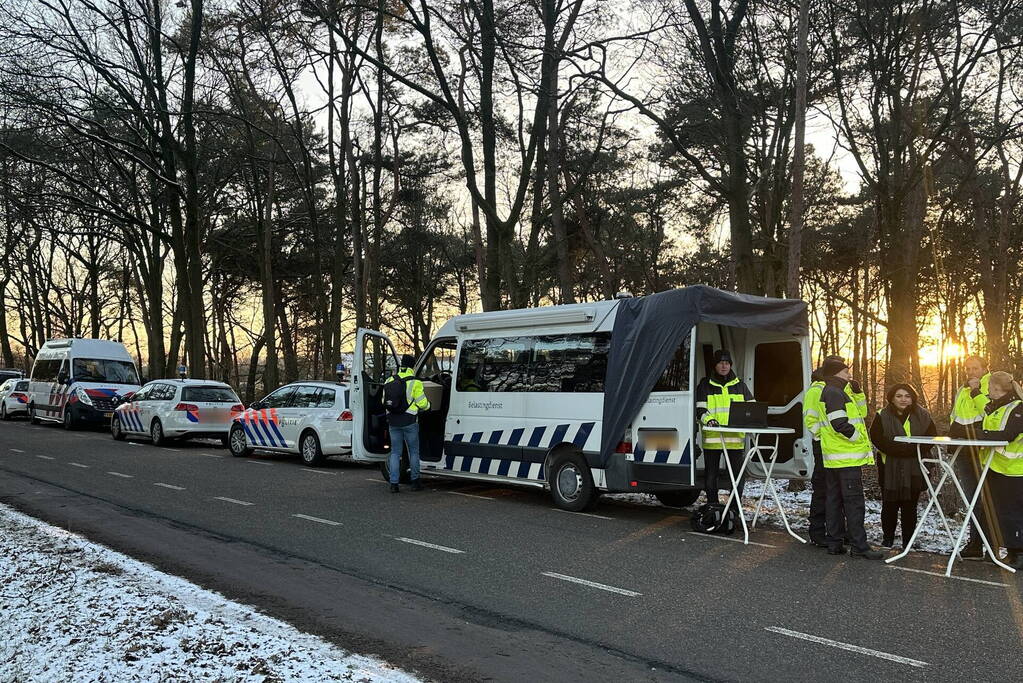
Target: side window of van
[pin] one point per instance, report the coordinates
(45, 371)
(676, 376)
(500, 364)
(570, 362)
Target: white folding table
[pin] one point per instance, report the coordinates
(942, 444)
(754, 450)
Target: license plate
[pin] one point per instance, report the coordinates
(658, 440)
(108, 415)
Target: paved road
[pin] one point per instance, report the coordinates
(470, 582)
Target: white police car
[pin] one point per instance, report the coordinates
(310, 418)
(167, 409)
(13, 398)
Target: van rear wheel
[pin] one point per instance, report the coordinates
(678, 499)
(571, 483)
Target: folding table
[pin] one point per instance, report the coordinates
(941, 445)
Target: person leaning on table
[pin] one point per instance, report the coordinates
(899, 472)
(1003, 421)
(967, 415)
(845, 448)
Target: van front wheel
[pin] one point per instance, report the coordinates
(571, 483)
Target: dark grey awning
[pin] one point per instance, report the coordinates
(648, 331)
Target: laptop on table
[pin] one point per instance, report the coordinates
(747, 414)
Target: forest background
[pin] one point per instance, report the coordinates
(239, 184)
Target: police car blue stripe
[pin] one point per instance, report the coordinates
(137, 421)
(523, 470)
(558, 436)
(485, 465)
(458, 437)
(254, 426)
(583, 434)
(280, 437)
(516, 437)
(476, 437)
(249, 436)
(495, 437)
(502, 469)
(537, 435)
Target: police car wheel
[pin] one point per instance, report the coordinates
(69, 420)
(571, 484)
(237, 444)
(156, 433)
(312, 454)
(115, 429)
(678, 499)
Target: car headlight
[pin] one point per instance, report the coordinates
(82, 396)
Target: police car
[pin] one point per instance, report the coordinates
(13, 398)
(166, 409)
(310, 418)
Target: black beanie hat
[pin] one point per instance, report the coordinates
(831, 366)
(407, 360)
(722, 354)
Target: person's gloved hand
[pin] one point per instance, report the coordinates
(713, 423)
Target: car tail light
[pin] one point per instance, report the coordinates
(345, 416)
(186, 407)
(623, 447)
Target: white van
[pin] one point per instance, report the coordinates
(589, 398)
(79, 381)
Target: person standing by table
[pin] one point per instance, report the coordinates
(845, 448)
(714, 394)
(899, 472)
(812, 421)
(1003, 421)
(967, 416)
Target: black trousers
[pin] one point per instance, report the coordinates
(846, 505)
(891, 510)
(712, 470)
(818, 506)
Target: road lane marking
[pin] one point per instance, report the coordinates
(169, 486)
(717, 537)
(379, 481)
(131, 443)
(318, 519)
(211, 455)
(45, 457)
(78, 464)
(584, 514)
(431, 545)
(123, 476)
(259, 462)
(17, 450)
(470, 495)
(846, 646)
(232, 500)
(310, 469)
(957, 578)
(173, 450)
(592, 584)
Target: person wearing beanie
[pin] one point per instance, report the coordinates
(812, 420)
(845, 449)
(404, 399)
(714, 394)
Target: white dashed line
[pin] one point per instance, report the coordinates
(431, 545)
(232, 500)
(727, 538)
(592, 584)
(131, 443)
(17, 450)
(379, 481)
(310, 469)
(45, 457)
(584, 514)
(78, 464)
(123, 476)
(318, 519)
(846, 646)
(211, 455)
(172, 450)
(470, 495)
(259, 462)
(169, 486)
(957, 578)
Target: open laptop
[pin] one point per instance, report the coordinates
(747, 414)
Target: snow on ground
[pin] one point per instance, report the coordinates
(932, 537)
(74, 610)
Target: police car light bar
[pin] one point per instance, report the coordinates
(528, 319)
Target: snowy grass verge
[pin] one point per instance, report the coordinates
(71, 609)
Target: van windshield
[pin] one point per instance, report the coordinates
(103, 370)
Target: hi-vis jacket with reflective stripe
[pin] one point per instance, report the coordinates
(969, 405)
(812, 417)
(713, 396)
(844, 439)
(1005, 423)
(416, 395)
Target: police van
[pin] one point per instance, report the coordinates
(80, 381)
(591, 398)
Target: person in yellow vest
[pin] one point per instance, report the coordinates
(404, 398)
(966, 417)
(1003, 421)
(845, 449)
(714, 394)
(812, 421)
(898, 470)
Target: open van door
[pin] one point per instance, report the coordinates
(374, 361)
(780, 376)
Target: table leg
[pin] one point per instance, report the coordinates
(970, 516)
(734, 493)
(769, 483)
(933, 500)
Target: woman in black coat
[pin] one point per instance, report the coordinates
(898, 469)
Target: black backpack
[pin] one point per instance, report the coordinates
(396, 395)
(711, 518)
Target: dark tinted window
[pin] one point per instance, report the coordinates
(103, 370)
(778, 372)
(327, 398)
(279, 398)
(45, 371)
(143, 393)
(570, 362)
(306, 397)
(163, 392)
(209, 394)
(676, 376)
(21, 386)
(500, 364)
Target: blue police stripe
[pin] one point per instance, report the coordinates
(523, 470)
(476, 437)
(516, 436)
(277, 432)
(559, 435)
(495, 438)
(537, 435)
(467, 464)
(661, 456)
(449, 462)
(583, 434)
(254, 425)
(502, 470)
(249, 436)
(485, 465)
(137, 419)
(458, 437)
